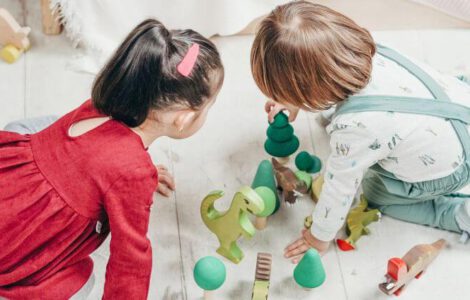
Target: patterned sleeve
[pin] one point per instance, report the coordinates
(354, 149)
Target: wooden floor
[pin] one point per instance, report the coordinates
(224, 155)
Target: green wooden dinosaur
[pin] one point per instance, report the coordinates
(230, 225)
(358, 220)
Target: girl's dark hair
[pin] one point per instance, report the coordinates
(142, 75)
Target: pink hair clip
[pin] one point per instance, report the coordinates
(187, 63)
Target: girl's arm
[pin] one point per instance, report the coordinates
(127, 204)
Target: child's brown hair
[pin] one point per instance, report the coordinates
(310, 56)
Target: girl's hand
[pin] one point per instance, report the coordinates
(296, 249)
(166, 183)
(273, 108)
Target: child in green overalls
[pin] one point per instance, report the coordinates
(399, 128)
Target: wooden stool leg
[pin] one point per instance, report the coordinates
(50, 20)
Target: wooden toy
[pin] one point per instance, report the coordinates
(401, 271)
(308, 221)
(209, 274)
(309, 272)
(281, 140)
(317, 185)
(265, 177)
(51, 24)
(305, 177)
(269, 199)
(308, 163)
(262, 276)
(230, 225)
(288, 183)
(13, 37)
(357, 221)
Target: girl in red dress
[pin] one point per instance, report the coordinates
(65, 188)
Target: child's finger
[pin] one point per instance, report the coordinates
(274, 111)
(294, 244)
(299, 250)
(167, 179)
(161, 168)
(293, 115)
(296, 259)
(164, 190)
(269, 105)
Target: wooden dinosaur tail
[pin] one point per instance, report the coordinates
(208, 212)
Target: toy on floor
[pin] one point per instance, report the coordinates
(269, 199)
(317, 185)
(308, 221)
(309, 272)
(305, 177)
(401, 271)
(209, 274)
(308, 163)
(262, 276)
(265, 178)
(281, 140)
(13, 37)
(357, 221)
(290, 186)
(230, 225)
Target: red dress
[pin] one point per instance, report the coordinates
(55, 190)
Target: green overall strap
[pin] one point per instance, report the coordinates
(458, 115)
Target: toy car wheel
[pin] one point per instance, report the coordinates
(10, 53)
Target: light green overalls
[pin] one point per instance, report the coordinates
(434, 202)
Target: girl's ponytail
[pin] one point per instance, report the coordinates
(142, 74)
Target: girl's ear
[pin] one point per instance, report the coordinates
(184, 119)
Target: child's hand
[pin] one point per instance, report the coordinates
(166, 183)
(273, 108)
(296, 249)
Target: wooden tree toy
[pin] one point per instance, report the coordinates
(317, 186)
(290, 186)
(357, 221)
(309, 272)
(401, 271)
(209, 274)
(262, 276)
(305, 177)
(269, 199)
(308, 163)
(13, 37)
(230, 225)
(281, 140)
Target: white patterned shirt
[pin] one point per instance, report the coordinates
(413, 147)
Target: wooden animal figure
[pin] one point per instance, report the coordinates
(357, 221)
(290, 186)
(13, 37)
(317, 186)
(262, 276)
(402, 270)
(230, 225)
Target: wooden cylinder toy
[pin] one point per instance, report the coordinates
(10, 53)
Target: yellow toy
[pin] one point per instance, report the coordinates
(13, 37)
(230, 225)
(358, 220)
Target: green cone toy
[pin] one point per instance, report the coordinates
(281, 140)
(309, 272)
(308, 163)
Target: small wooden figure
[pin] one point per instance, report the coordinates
(209, 274)
(357, 221)
(309, 272)
(269, 200)
(288, 183)
(317, 186)
(308, 163)
(402, 270)
(262, 276)
(51, 24)
(13, 37)
(230, 225)
(265, 177)
(305, 177)
(281, 140)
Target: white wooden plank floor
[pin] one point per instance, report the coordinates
(224, 155)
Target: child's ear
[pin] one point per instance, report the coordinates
(184, 119)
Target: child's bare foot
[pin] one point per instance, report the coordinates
(296, 249)
(166, 183)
